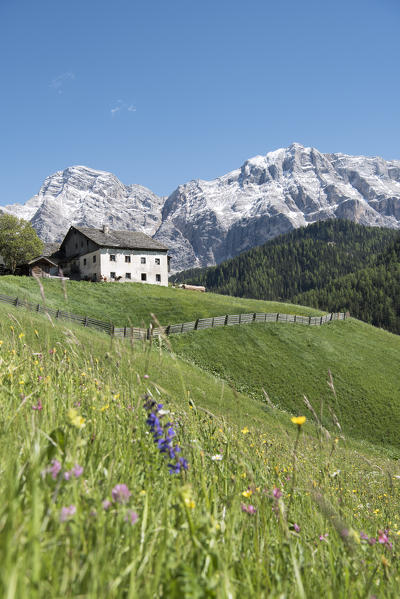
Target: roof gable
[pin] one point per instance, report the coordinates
(132, 240)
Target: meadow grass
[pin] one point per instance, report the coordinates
(267, 508)
(290, 361)
(131, 304)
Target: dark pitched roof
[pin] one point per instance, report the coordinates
(42, 259)
(131, 240)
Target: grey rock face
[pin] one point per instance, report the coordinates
(205, 222)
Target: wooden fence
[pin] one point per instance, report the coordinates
(173, 329)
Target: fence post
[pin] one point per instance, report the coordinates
(38, 308)
(124, 331)
(226, 319)
(58, 313)
(309, 320)
(196, 324)
(320, 323)
(347, 314)
(277, 316)
(294, 318)
(16, 302)
(182, 327)
(85, 322)
(212, 322)
(167, 330)
(254, 316)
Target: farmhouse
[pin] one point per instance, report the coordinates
(108, 255)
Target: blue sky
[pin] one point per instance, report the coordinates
(163, 92)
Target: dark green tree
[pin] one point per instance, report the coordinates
(18, 241)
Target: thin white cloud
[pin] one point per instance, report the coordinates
(122, 106)
(58, 82)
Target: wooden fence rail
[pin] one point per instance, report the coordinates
(173, 329)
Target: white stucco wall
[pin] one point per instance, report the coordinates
(90, 269)
(135, 266)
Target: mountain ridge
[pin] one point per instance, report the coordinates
(205, 222)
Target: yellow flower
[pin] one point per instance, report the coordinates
(299, 420)
(247, 493)
(142, 492)
(21, 335)
(187, 497)
(104, 408)
(245, 430)
(36, 333)
(75, 419)
(1, 343)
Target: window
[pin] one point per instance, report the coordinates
(127, 275)
(127, 258)
(158, 278)
(144, 276)
(157, 260)
(84, 262)
(112, 257)
(94, 258)
(142, 260)
(112, 275)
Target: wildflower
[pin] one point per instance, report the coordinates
(383, 538)
(145, 376)
(120, 493)
(245, 430)
(363, 536)
(131, 517)
(163, 435)
(323, 537)
(75, 419)
(54, 469)
(249, 509)
(77, 471)
(299, 420)
(247, 493)
(296, 527)
(372, 541)
(106, 504)
(21, 335)
(38, 406)
(67, 512)
(36, 333)
(277, 493)
(217, 457)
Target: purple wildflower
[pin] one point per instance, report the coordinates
(323, 537)
(145, 376)
(363, 536)
(277, 493)
(77, 470)
(67, 512)
(296, 527)
(106, 504)
(67, 475)
(383, 538)
(54, 469)
(163, 435)
(372, 541)
(249, 509)
(120, 493)
(131, 517)
(38, 406)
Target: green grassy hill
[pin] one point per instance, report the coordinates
(289, 361)
(131, 304)
(267, 508)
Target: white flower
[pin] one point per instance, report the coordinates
(217, 457)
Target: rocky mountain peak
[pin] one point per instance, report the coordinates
(205, 222)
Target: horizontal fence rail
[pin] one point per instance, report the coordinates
(174, 329)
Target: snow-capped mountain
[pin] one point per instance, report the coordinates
(205, 222)
(85, 197)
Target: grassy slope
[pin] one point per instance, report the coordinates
(292, 360)
(132, 303)
(338, 492)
